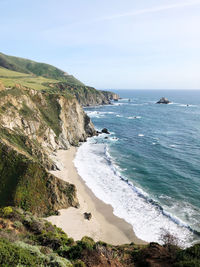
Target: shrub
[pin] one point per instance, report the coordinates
(18, 225)
(12, 255)
(188, 257)
(55, 260)
(53, 239)
(74, 252)
(6, 212)
(79, 263)
(87, 243)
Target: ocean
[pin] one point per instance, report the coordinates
(148, 168)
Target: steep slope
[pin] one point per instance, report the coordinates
(26, 183)
(33, 125)
(38, 116)
(40, 76)
(26, 240)
(39, 69)
(89, 96)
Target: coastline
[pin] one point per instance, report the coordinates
(104, 225)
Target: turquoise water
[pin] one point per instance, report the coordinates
(157, 149)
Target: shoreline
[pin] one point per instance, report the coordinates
(104, 225)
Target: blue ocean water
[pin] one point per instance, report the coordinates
(148, 168)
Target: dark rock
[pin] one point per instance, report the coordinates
(88, 215)
(57, 212)
(77, 206)
(163, 100)
(104, 130)
(106, 137)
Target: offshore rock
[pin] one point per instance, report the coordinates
(163, 100)
(105, 130)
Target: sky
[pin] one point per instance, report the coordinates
(109, 44)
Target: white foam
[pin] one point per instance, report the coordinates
(119, 104)
(173, 146)
(134, 117)
(98, 114)
(140, 135)
(94, 165)
(113, 139)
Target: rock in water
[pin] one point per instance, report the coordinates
(163, 100)
(105, 130)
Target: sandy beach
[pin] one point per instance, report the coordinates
(104, 225)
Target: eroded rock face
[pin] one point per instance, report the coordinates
(33, 125)
(163, 100)
(47, 121)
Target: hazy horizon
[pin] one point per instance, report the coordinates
(115, 44)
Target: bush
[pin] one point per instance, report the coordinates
(55, 260)
(12, 255)
(53, 239)
(18, 225)
(87, 243)
(79, 263)
(74, 252)
(168, 239)
(6, 212)
(188, 257)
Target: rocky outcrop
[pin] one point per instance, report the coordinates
(105, 130)
(111, 95)
(33, 125)
(46, 122)
(163, 100)
(88, 96)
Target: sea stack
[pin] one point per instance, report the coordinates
(163, 100)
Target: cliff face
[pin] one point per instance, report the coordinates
(86, 96)
(46, 122)
(40, 112)
(33, 125)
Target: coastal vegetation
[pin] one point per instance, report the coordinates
(27, 240)
(40, 113)
(47, 78)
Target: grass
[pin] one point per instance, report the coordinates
(26, 184)
(10, 78)
(27, 66)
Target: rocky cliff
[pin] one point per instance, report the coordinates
(40, 112)
(89, 96)
(33, 125)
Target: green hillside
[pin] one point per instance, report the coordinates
(34, 68)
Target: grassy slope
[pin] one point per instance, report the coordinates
(84, 94)
(34, 68)
(26, 184)
(9, 78)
